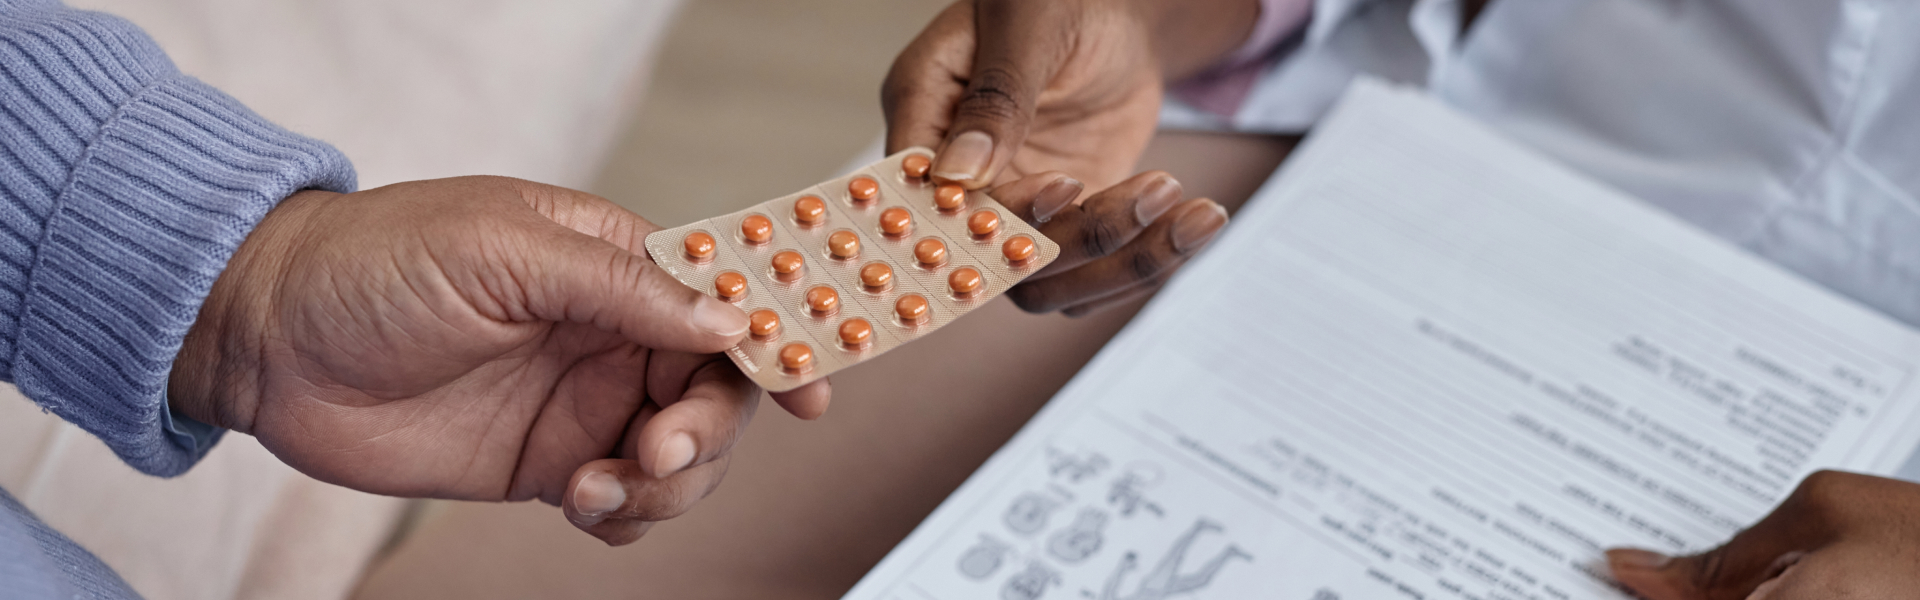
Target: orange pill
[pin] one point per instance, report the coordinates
(763, 324)
(699, 246)
(1018, 249)
(730, 285)
(949, 197)
(856, 333)
(930, 252)
(896, 221)
(863, 189)
(916, 166)
(876, 276)
(787, 264)
(912, 309)
(756, 229)
(964, 281)
(810, 210)
(823, 300)
(796, 358)
(983, 223)
(843, 244)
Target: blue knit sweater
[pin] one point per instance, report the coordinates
(124, 188)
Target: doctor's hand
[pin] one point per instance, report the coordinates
(475, 338)
(1003, 89)
(1839, 536)
(1122, 243)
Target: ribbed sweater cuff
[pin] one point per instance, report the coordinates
(162, 196)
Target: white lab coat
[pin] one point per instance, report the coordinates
(1788, 127)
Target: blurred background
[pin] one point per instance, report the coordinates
(753, 99)
(677, 109)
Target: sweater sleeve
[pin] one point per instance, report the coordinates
(125, 186)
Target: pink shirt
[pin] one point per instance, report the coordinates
(1221, 89)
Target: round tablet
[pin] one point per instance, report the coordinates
(823, 300)
(930, 252)
(856, 333)
(730, 285)
(896, 221)
(796, 358)
(810, 210)
(964, 281)
(756, 229)
(916, 166)
(699, 246)
(1018, 249)
(984, 223)
(863, 189)
(877, 276)
(763, 324)
(843, 244)
(912, 309)
(787, 264)
(949, 197)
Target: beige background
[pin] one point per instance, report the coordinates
(750, 99)
(754, 99)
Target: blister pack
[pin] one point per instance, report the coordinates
(846, 270)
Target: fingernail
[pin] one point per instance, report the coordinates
(675, 454)
(966, 158)
(1198, 226)
(1156, 200)
(719, 317)
(598, 494)
(1055, 197)
(1636, 559)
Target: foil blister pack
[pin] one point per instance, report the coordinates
(844, 271)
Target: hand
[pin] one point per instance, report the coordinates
(1840, 535)
(1003, 89)
(475, 338)
(1121, 244)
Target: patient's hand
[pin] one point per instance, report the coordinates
(1008, 88)
(1840, 535)
(475, 338)
(1121, 244)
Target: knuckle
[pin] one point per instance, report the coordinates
(631, 272)
(1031, 299)
(1100, 237)
(991, 95)
(1145, 265)
(1708, 569)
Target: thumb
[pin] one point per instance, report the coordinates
(582, 279)
(1813, 516)
(1710, 576)
(1019, 49)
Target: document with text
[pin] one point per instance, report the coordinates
(1424, 362)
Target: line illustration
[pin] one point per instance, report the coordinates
(980, 561)
(1028, 514)
(1081, 539)
(1164, 580)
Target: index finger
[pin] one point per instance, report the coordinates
(588, 214)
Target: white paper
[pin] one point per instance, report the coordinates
(1424, 363)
